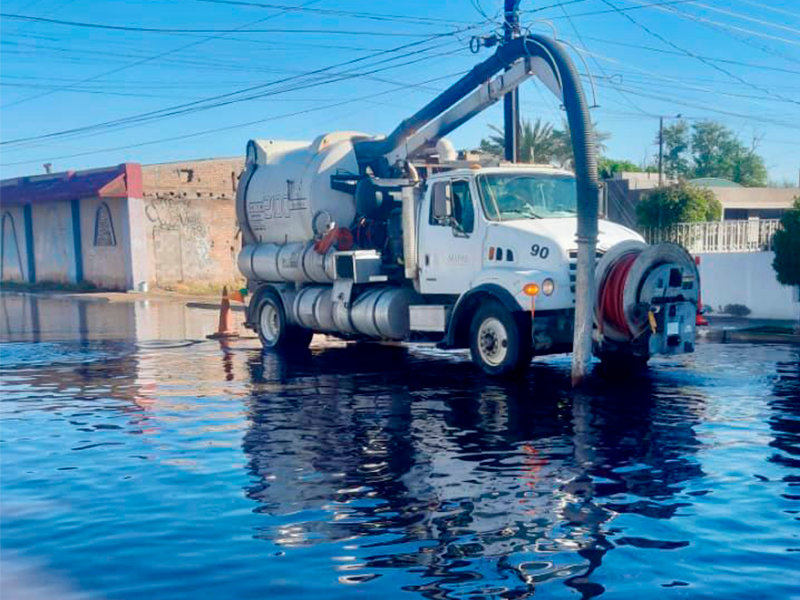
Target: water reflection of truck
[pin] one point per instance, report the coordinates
(460, 481)
(396, 239)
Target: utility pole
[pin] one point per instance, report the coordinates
(661, 147)
(660, 151)
(511, 99)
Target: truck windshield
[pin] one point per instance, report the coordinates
(509, 196)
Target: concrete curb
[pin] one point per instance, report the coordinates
(745, 336)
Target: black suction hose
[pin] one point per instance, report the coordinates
(580, 124)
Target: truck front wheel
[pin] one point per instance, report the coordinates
(497, 343)
(273, 329)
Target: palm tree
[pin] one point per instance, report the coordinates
(565, 157)
(536, 142)
(540, 142)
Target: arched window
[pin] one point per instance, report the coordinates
(104, 227)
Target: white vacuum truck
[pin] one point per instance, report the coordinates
(393, 238)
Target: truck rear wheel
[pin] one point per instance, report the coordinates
(273, 329)
(497, 343)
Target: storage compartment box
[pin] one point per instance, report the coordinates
(429, 317)
(362, 266)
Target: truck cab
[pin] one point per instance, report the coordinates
(508, 226)
(502, 237)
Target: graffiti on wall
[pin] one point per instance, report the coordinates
(181, 240)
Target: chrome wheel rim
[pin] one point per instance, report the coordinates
(270, 323)
(492, 341)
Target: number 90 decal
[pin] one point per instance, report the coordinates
(540, 251)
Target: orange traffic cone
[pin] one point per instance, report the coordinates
(225, 328)
(699, 319)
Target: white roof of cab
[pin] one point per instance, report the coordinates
(507, 168)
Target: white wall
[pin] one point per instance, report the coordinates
(746, 278)
(104, 265)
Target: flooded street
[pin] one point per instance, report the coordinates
(141, 460)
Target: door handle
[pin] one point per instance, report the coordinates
(427, 260)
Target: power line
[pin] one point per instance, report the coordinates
(346, 13)
(556, 5)
(229, 127)
(682, 102)
(679, 83)
(230, 98)
(596, 62)
(272, 43)
(726, 26)
(772, 8)
(689, 53)
(193, 62)
(605, 12)
(759, 66)
(152, 58)
(734, 32)
(161, 30)
(694, 88)
(748, 18)
(717, 83)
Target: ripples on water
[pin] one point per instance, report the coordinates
(194, 471)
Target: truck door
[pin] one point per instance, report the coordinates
(449, 244)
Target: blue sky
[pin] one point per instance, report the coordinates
(735, 61)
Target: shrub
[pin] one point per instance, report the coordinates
(681, 203)
(736, 310)
(787, 247)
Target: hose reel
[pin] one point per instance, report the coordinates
(645, 289)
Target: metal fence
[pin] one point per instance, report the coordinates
(718, 236)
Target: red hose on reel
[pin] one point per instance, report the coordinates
(612, 304)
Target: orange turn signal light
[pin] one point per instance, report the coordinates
(531, 289)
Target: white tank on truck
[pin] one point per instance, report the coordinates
(394, 238)
(289, 198)
(288, 203)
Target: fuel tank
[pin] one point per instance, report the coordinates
(379, 312)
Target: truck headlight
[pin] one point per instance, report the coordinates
(548, 287)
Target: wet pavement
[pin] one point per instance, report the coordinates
(138, 459)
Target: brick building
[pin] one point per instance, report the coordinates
(190, 221)
(125, 227)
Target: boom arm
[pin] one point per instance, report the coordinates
(482, 98)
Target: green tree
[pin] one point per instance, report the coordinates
(676, 149)
(749, 169)
(563, 140)
(536, 142)
(710, 149)
(608, 167)
(681, 203)
(539, 142)
(787, 249)
(787, 246)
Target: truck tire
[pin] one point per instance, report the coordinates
(497, 343)
(273, 330)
